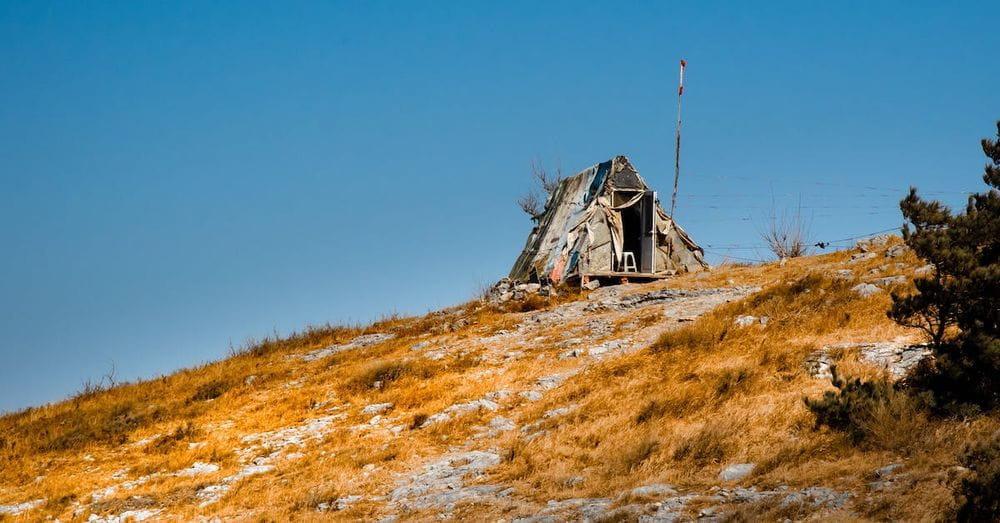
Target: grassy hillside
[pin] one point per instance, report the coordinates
(561, 406)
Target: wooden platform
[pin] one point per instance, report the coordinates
(631, 275)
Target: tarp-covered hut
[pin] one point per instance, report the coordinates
(605, 222)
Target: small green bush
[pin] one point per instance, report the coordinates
(849, 408)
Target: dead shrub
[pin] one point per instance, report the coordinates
(531, 302)
(707, 446)
(76, 428)
(702, 336)
(652, 409)
(891, 424)
(730, 381)
(166, 443)
(633, 457)
(786, 235)
(210, 390)
(380, 374)
(418, 420)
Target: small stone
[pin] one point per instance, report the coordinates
(249, 379)
(655, 490)
(861, 256)
(896, 251)
(572, 353)
(501, 394)
(502, 423)
(926, 269)
(376, 408)
(736, 472)
(890, 280)
(591, 285)
(887, 470)
(556, 412)
(745, 321)
(843, 274)
(435, 418)
(764, 319)
(874, 242)
(530, 395)
(866, 289)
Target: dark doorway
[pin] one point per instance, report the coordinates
(638, 234)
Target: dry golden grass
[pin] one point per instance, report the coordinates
(702, 396)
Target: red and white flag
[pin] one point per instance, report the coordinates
(680, 91)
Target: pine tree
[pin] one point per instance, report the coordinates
(959, 305)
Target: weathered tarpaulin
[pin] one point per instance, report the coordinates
(592, 218)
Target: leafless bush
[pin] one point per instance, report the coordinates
(533, 203)
(786, 234)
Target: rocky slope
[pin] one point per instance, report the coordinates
(671, 401)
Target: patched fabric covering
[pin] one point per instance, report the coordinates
(582, 233)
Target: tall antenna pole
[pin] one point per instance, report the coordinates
(677, 151)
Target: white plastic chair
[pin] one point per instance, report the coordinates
(628, 262)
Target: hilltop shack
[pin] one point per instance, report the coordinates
(605, 223)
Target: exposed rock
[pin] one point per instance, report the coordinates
(498, 395)
(572, 353)
(888, 470)
(364, 340)
(890, 280)
(198, 468)
(656, 490)
(606, 347)
(661, 296)
(816, 497)
(875, 242)
(561, 411)
(128, 515)
(670, 510)
(552, 381)
(591, 285)
(501, 423)
(473, 405)
(736, 472)
(530, 288)
(17, 508)
(866, 289)
(341, 503)
(530, 395)
(435, 418)
(925, 269)
(818, 364)
(896, 251)
(745, 321)
(860, 257)
(843, 274)
(896, 358)
(441, 484)
(376, 408)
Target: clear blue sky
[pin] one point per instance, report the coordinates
(176, 176)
